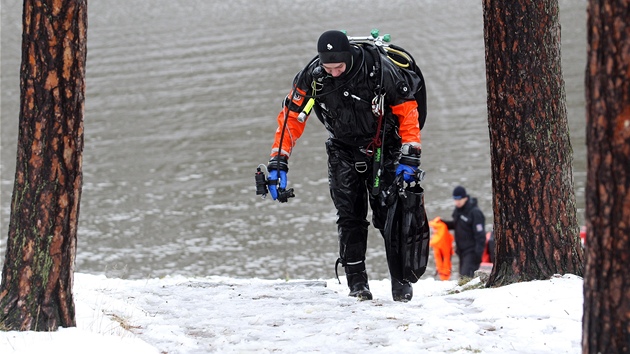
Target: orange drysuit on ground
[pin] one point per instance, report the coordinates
(442, 243)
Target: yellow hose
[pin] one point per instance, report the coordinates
(402, 54)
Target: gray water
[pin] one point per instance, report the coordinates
(181, 103)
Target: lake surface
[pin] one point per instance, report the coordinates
(181, 103)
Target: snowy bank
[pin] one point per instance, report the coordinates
(219, 314)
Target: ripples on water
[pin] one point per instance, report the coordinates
(180, 108)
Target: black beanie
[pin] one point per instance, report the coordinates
(334, 47)
(459, 192)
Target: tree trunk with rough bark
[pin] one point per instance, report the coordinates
(606, 318)
(37, 277)
(535, 221)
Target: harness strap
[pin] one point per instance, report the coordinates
(376, 142)
(337, 263)
(378, 103)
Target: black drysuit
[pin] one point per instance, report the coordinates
(344, 106)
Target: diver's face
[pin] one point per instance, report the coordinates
(334, 69)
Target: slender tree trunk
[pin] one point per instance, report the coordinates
(606, 321)
(535, 222)
(36, 288)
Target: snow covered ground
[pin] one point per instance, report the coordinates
(226, 315)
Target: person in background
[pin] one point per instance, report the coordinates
(442, 243)
(470, 236)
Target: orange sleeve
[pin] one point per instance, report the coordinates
(294, 128)
(407, 113)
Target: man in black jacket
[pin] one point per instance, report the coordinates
(470, 236)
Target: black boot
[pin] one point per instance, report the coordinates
(358, 284)
(401, 290)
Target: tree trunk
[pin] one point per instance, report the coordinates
(606, 319)
(535, 222)
(36, 289)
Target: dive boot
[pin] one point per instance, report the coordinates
(358, 284)
(401, 290)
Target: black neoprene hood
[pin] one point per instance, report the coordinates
(333, 47)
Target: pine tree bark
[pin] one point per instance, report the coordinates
(606, 317)
(37, 277)
(535, 222)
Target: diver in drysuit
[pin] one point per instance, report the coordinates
(368, 107)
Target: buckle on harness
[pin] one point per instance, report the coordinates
(361, 166)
